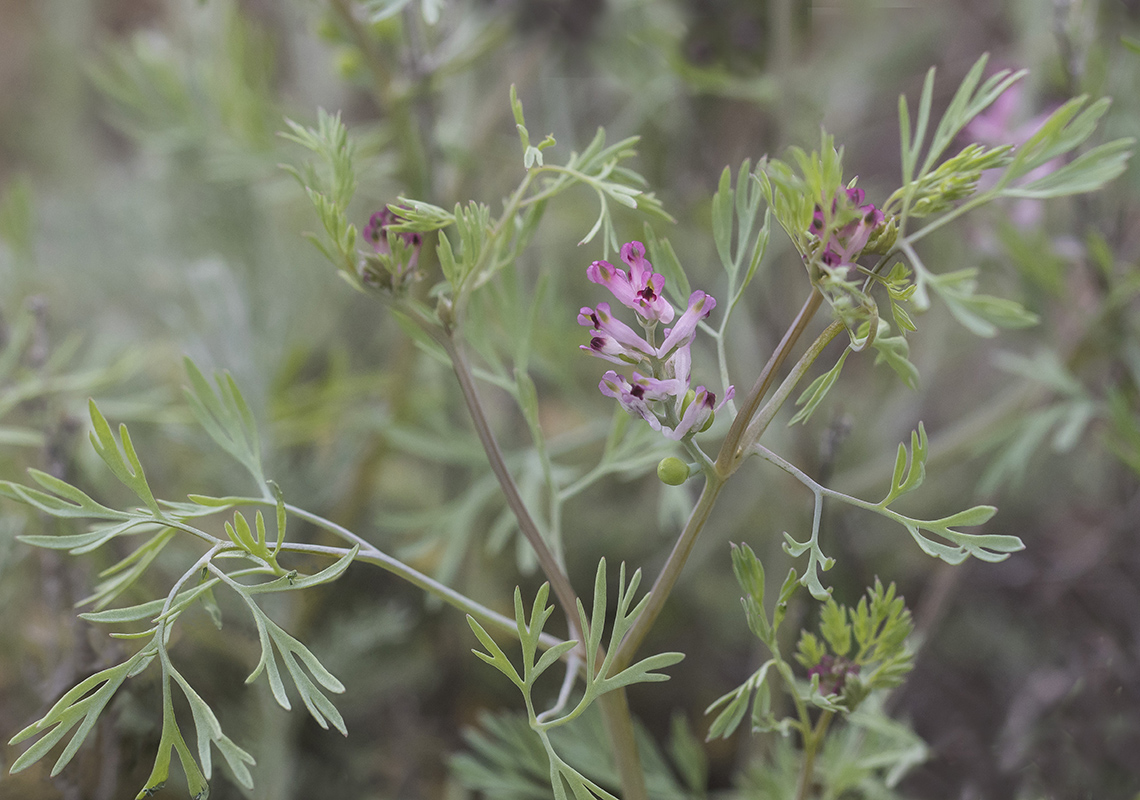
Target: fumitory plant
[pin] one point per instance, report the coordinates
(456, 281)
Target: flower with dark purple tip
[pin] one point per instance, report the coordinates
(640, 290)
(640, 270)
(634, 396)
(698, 414)
(612, 339)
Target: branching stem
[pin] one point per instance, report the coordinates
(370, 554)
(731, 452)
(768, 412)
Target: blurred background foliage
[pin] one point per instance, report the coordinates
(144, 216)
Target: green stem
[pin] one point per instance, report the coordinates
(785, 671)
(370, 554)
(550, 565)
(416, 165)
(931, 227)
(476, 277)
(822, 491)
(812, 741)
(731, 452)
(768, 412)
(623, 739)
(670, 572)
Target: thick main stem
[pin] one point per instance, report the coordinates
(669, 573)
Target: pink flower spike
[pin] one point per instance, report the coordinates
(700, 306)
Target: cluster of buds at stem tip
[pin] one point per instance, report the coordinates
(392, 262)
(847, 230)
(833, 672)
(658, 390)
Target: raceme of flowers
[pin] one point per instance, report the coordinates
(845, 245)
(658, 391)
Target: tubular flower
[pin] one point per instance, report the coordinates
(660, 393)
(640, 289)
(683, 333)
(845, 245)
(634, 396)
(698, 413)
(612, 339)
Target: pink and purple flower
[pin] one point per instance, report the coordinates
(661, 392)
(845, 245)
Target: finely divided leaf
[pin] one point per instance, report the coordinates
(226, 417)
(294, 654)
(128, 471)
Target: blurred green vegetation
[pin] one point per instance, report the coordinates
(144, 216)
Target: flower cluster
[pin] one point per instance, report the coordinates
(833, 672)
(658, 391)
(395, 265)
(844, 245)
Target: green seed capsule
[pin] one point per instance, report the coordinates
(673, 471)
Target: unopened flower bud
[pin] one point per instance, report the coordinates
(833, 672)
(397, 253)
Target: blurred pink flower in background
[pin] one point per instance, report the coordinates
(999, 125)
